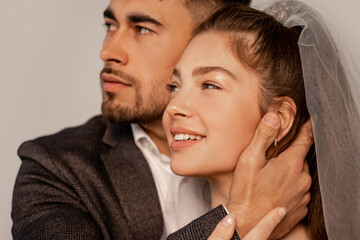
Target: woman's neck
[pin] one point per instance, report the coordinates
(220, 189)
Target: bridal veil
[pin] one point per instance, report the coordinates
(332, 85)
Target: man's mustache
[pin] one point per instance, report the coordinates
(120, 74)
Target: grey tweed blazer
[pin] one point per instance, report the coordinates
(91, 182)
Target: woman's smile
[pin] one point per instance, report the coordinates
(213, 110)
(183, 138)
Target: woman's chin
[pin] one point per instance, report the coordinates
(182, 169)
(179, 170)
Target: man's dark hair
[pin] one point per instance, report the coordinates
(200, 10)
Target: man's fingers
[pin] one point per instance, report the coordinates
(290, 221)
(302, 143)
(265, 134)
(267, 224)
(224, 230)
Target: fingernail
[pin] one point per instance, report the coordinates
(272, 120)
(228, 221)
(282, 212)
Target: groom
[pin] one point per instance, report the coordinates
(110, 178)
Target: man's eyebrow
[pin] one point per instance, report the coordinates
(108, 13)
(176, 73)
(142, 18)
(204, 70)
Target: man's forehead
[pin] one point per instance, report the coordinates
(161, 10)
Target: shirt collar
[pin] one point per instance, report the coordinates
(139, 133)
(142, 140)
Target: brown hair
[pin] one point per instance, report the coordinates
(201, 9)
(270, 50)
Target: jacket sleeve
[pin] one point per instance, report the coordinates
(202, 227)
(45, 207)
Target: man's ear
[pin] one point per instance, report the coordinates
(286, 110)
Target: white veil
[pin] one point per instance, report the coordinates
(332, 86)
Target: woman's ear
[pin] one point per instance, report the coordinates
(286, 110)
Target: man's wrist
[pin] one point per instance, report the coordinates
(227, 212)
(241, 220)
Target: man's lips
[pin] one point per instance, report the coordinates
(112, 83)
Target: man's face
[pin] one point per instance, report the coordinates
(144, 41)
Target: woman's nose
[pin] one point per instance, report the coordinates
(180, 106)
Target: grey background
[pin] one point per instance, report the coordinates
(49, 62)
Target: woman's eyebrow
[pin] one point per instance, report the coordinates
(207, 69)
(177, 73)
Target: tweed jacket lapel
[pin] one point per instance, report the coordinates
(133, 182)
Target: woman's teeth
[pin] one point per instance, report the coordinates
(182, 137)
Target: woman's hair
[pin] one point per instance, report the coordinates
(270, 50)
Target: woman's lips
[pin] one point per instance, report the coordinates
(179, 145)
(183, 138)
(182, 130)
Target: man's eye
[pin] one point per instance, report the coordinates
(110, 27)
(172, 88)
(142, 30)
(210, 86)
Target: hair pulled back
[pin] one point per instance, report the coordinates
(270, 50)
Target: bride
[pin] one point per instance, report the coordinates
(243, 63)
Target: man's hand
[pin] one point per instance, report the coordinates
(225, 229)
(259, 187)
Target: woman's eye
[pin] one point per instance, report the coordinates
(209, 86)
(142, 30)
(172, 88)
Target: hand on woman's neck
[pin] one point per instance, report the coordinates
(220, 189)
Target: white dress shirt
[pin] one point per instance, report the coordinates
(182, 199)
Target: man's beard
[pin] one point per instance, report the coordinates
(138, 113)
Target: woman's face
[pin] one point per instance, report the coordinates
(213, 111)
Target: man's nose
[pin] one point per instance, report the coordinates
(114, 49)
